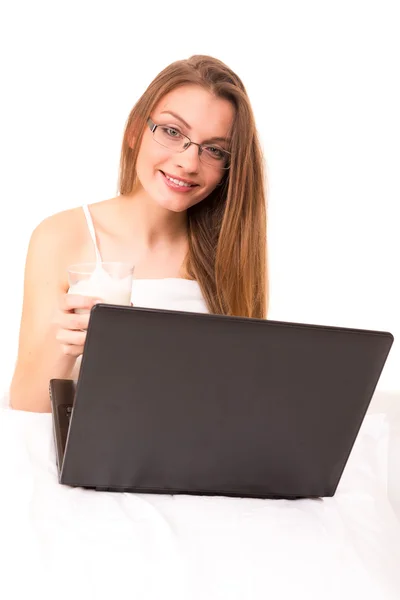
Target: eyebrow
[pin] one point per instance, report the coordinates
(213, 139)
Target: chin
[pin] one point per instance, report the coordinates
(177, 205)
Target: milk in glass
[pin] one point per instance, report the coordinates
(109, 288)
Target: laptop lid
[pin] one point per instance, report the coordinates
(176, 402)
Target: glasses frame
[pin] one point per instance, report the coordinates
(153, 127)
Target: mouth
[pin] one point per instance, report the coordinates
(178, 182)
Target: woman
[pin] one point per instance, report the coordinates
(190, 215)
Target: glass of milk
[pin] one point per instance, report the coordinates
(109, 281)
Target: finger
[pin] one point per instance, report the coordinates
(71, 302)
(73, 321)
(69, 350)
(74, 338)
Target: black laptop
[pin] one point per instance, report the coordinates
(176, 402)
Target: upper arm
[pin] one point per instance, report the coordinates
(45, 281)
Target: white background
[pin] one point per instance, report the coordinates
(323, 78)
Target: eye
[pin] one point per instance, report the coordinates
(215, 152)
(171, 132)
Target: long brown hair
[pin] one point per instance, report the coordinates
(227, 230)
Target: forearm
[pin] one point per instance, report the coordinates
(29, 389)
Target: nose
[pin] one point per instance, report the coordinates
(188, 160)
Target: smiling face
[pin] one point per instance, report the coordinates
(177, 180)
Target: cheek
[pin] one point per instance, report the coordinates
(213, 179)
(208, 187)
(148, 159)
(147, 155)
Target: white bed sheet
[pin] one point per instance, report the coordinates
(73, 543)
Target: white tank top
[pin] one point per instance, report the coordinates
(171, 293)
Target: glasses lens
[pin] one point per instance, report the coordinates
(170, 138)
(215, 156)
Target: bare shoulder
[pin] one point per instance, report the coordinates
(60, 226)
(62, 238)
(66, 235)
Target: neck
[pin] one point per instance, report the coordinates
(152, 224)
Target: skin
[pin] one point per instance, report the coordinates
(146, 228)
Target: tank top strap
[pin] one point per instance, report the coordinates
(92, 231)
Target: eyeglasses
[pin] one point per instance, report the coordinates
(173, 139)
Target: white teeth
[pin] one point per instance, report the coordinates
(179, 182)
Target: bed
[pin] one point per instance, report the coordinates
(62, 542)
